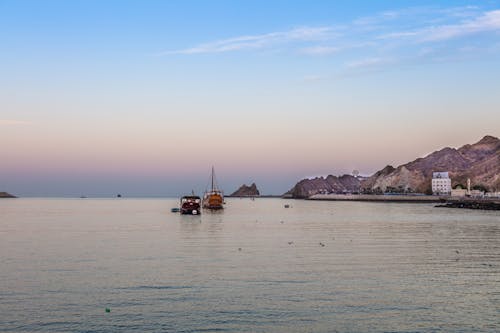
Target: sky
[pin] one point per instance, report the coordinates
(143, 97)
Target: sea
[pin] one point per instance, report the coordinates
(131, 265)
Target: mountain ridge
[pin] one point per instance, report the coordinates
(480, 162)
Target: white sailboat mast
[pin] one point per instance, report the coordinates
(213, 188)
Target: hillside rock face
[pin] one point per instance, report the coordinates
(307, 187)
(6, 195)
(480, 162)
(246, 191)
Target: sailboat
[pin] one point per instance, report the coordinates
(213, 198)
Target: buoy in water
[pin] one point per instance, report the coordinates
(108, 310)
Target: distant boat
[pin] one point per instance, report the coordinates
(190, 205)
(213, 198)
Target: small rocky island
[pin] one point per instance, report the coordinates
(6, 195)
(246, 191)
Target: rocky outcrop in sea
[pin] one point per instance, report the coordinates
(246, 191)
(6, 195)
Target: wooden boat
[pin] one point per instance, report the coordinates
(213, 198)
(190, 205)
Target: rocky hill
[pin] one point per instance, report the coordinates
(307, 187)
(6, 195)
(246, 191)
(480, 162)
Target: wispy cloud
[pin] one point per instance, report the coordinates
(374, 21)
(422, 14)
(397, 37)
(252, 42)
(461, 12)
(8, 122)
(430, 25)
(485, 22)
(368, 63)
(322, 50)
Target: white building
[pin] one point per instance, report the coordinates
(441, 183)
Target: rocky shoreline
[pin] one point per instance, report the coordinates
(468, 204)
(6, 195)
(483, 204)
(377, 198)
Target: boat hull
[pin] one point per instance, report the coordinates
(213, 207)
(190, 211)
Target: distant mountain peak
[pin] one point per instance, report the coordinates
(488, 139)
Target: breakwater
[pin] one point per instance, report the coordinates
(483, 204)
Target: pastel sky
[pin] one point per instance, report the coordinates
(143, 97)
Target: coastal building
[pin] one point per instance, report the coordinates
(458, 192)
(441, 183)
(477, 194)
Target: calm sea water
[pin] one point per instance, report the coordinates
(255, 267)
